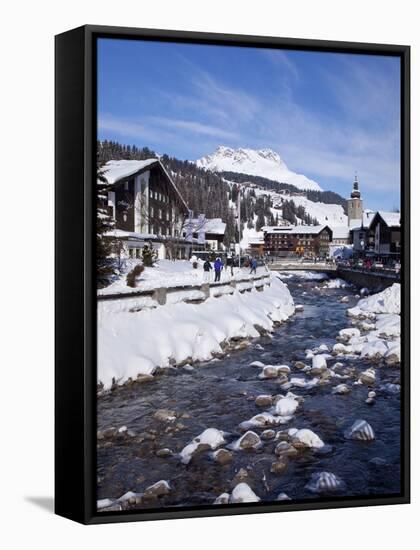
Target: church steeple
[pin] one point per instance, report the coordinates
(355, 194)
(355, 203)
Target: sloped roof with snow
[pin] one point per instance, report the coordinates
(116, 170)
(368, 216)
(392, 219)
(340, 232)
(297, 229)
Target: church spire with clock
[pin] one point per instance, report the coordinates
(355, 203)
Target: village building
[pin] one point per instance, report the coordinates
(385, 228)
(208, 232)
(256, 246)
(303, 240)
(146, 207)
(360, 234)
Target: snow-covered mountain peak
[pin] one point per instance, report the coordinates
(262, 162)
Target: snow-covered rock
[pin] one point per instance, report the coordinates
(346, 333)
(368, 377)
(393, 355)
(307, 437)
(243, 493)
(286, 406)
(250, 440)
(273, 371)
(341, 389)
(336, 283)
(388, 325)
(387, 301)
(374, 350)
(211, 438)
(324, 482)
(264, 419)
(361, 431)
(319, 362)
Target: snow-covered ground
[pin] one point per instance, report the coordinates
(134, 343)
(169, 273)
(378, 332)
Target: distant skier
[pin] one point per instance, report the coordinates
(206, 270)
(253, 266)
(218, 266)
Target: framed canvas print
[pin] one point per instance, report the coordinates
(232, 274)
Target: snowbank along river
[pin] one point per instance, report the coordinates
(312, 423)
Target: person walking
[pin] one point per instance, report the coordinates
(206, 270)
(253, 266)
(218, 266)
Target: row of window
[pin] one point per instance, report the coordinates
(159, 196)
(159, 213)
(165, 231)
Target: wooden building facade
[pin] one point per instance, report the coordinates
(146, 206)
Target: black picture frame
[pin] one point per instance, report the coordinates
(75, 291)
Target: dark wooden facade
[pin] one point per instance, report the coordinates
(162, 211)
(300, 242)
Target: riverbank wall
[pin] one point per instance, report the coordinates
(375, 281)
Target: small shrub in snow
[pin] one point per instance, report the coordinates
(134, 275)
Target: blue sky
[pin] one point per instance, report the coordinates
(327, 115)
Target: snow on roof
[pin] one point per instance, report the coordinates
(211, 225)
(368, 216)
(340, 232)
(296, 229)
(115, 170)
(392, 219)
(256, 240)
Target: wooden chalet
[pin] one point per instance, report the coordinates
(147, 207)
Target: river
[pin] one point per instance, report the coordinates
(221, 394)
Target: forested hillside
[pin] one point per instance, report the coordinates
(216, 194)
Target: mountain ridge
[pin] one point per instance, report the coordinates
(261, 162)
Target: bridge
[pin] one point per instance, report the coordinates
(373, 278)
(287, 265)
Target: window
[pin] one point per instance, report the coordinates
(167, 215)
(160, 213)
(152, 212)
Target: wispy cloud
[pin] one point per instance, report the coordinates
(193, 127)
(355, 128)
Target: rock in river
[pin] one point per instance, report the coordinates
(324, 482)
(263, 400)
(211, 438)
(158, 489)
(368, 377)
(306, 437)
(250, 440)
(361, 431)
(243, 493)
(222, 456)
(278, 467)
(341, 389)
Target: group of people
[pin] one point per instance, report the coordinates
(207, 267)
(218, 267)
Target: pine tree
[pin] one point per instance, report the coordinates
(148, 256)
(104, 224)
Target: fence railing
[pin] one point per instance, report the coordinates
(161, 294)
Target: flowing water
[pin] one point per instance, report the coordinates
(221, 394)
